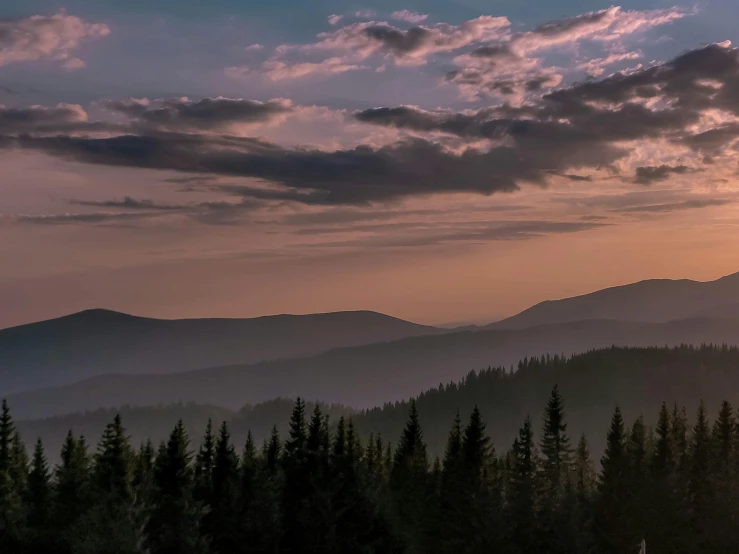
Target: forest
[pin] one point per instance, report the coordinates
(322, 488)
(637, 379)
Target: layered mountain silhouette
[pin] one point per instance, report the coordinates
(97, 342)
(655, 300)
(367, 376)
(102, 359)
(637, 380)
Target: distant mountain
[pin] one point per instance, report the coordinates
(656, 300)
(724, 311)
(97, 342)
(366, 376)
(638, 380)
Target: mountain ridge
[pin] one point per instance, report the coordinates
(98, 341)
(367, 375)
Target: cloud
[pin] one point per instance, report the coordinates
(641, 119)
(208, 114)
(646, 175)
(41, 119)
(349, 46)
(596, 66)
(77, 218)
(364, 14)
(415, 235)
(507, 67)
(255, 47)
(674, 206)
(334, 19)
(41, 37)
(127, 203)
(277, 70)
(408, 16)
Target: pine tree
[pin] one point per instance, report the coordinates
(297, 486)
(143, 471)
(699, 486)
(204, 466)
(556, 467)
(663, 460)
(724, 438)
(273, 451)
(612, 529)
(584, 471)
(725, 506)
(72, 495)
(12, 514)
(115, 522)
(173, 526)
(638, 491)
(584, 489)
(38, 496)
(452, 456)
(39, 489)
(410, 484)
(555, 448)
(521, 492)
(223, 509)
(259, 528)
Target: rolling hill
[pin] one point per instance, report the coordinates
(653, 301)
(97, 342)
(369, 375)
(637, 379)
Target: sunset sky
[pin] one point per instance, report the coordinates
(437, 160)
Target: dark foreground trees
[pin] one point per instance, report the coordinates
(322, 490)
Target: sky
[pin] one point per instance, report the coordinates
(440, 161)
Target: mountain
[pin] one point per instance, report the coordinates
(656, 300)
(636, 379)
(369, 375)
(95, 342)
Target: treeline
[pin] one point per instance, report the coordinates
(323, 490)
(637, 379)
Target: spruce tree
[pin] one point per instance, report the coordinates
(223, 509)
(72, 495)
(259, 529)
(173, 526)
(297, 485)
(410, 484)
(612, 507)
(521, 493)
(555, 448)
(556, 466)
(12, 508)
(115, 523)
(584, 489)
(204, 466)
(699, 487)
(38, 496)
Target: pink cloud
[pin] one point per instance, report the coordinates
(46, 37)
(410, 17)
(596, 66)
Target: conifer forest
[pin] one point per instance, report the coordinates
(323, 489)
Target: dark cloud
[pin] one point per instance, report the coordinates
(356, 176)
(674, 206)
(646, 175)
(182, 114)
(494, 231)
(73, 218)
(583, 126)
(127, 203)
(397, 41)
(39, 118)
